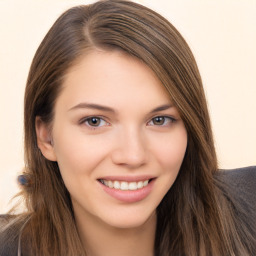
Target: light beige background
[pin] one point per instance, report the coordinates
(221, 33)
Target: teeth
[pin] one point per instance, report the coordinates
(124, 185)
(110, 184)
(145, 183)
(140, 184)
(133, 186)
(116, 184)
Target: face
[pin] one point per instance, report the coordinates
(117, 137)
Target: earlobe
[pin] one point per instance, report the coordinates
(44, 139)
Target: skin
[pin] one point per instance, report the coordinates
(128, 140)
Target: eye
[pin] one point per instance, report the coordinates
(161, 120)
(94, 122)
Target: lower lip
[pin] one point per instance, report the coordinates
(129, 196)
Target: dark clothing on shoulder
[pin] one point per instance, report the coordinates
(241, 184)
(9, 236)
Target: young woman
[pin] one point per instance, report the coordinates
(119, 152)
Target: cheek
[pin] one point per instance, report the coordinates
(78, 154)
(171, 151)
(170, 156)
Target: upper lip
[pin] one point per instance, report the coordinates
(128, 178)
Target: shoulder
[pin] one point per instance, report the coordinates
(241, 176)
(242, 184)
(9, 233)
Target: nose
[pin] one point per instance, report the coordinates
(131, 150)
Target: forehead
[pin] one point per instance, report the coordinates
(111, 76)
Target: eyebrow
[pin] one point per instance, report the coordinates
(93, 106)
(161, 108)
(108, 109)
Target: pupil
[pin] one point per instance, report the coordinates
(159, 120)
(94, 121)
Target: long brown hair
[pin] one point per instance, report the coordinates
(195, 217)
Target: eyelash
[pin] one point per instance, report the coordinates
(168, 120)
(88, 119)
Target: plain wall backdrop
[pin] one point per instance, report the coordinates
(221, 34)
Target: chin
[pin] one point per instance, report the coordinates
(130, 221)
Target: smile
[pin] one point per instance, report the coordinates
(125, 185)
(127, 189)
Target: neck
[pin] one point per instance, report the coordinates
(100, 239)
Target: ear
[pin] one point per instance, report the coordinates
(44, 139)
